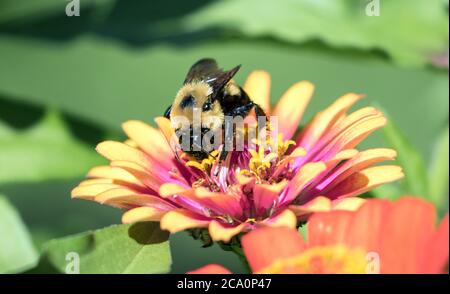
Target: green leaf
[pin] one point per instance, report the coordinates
(303, 230)
(141, 248)
(26, 11)
(409, 33)
(12, 9)
(416, 178)
(439, 170)
(16, 249)
(45, 151)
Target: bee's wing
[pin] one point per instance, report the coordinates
(203, 69)
(219, 81)
(207, 70)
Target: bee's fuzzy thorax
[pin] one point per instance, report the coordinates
(232, 88)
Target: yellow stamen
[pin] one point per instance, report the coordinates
(260, 162)
(206, 163)
(198, 183)
(193, 163)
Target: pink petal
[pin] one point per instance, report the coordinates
(291, 107)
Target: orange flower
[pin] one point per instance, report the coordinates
(274, 185)
(380, 237)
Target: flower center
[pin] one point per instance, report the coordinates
(205, 164)
(268, 160)
(336, 259)
(264, 159)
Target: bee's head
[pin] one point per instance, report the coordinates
(197, 114)
(197, 142)
(191, 95)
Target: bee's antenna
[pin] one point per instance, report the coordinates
(177, 156)
(175, 151)
(175, 148)
(222, 157)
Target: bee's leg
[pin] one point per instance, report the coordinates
(245, 109)
(167, 112)
(242, 110)
(223, 155)
(228, 143)
(260, 113)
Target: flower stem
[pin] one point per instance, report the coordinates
(236, 248)
(240, 253)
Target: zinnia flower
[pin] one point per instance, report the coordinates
(380, 237)
(270, 185)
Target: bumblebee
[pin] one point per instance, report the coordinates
(210, 90)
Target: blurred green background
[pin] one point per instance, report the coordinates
(67, 83)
